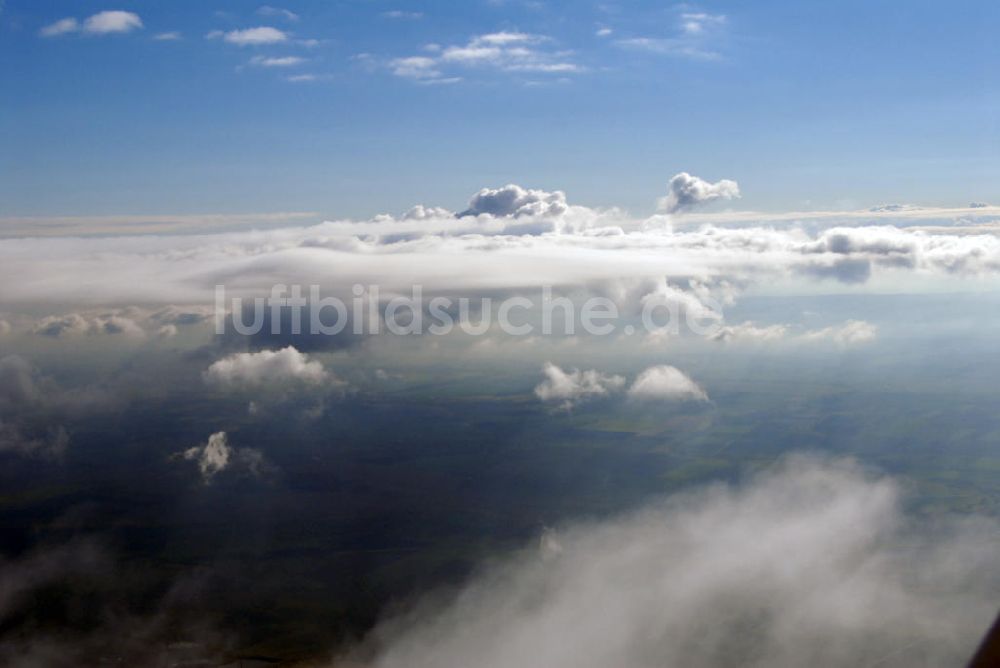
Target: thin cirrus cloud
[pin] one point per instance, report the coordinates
(401, 15)
(278, 61)
(697, 35)
(279, 12)
(102, 23)
(504, 51)
(250, 36)
(171, 36)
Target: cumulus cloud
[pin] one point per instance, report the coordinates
(569, 388)
(116, 324)
(812, 563)
(686, 192)
(421, 212)
(514, 201)
(57, 326)
(665, 383)
(211, 457)
(111, 21)
(216, 455)
(75, 324)
(267, 369)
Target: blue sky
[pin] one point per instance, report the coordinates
(808, 105)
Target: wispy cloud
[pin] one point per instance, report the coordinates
(402, 15)
(250, 36)
(167, 36)
(101, 23)
(696, 38)
(280, 12)
(60, 27)
(504, 51)
(280, 61)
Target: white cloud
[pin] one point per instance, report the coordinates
(505, 51)
(280, 12)
(571, 387)
(217, 455)
(112, 21)
(251, 36)
(60, 27)
(415, 67)
(267, 369)
(212, 457)
(117, 324)
(301, 78)
(277, 61)
(514, 201)
(893, 208)
(69, 324)
(75, 324)
(748, 331)
(33, 408)
(167, 331)
(696, 38)
(850, 333)
(171, 36)
(665, 383)
(686, 191)
(812, 563)
(697, 23)
(402, 15)
(421, 212)
(518, 239)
